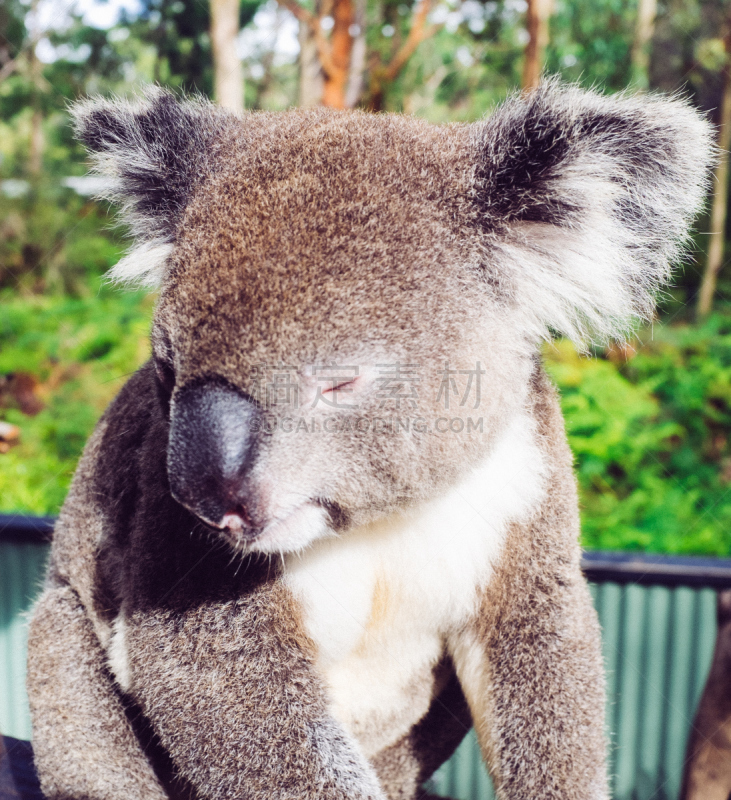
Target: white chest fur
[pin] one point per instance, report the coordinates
(379, 600)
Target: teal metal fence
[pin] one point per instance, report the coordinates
(658, 641)
(21, 572)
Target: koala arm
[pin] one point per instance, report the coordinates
(83, 742)
(235, 701)
(234, 729)
(534, 683)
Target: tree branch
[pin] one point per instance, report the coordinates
(306, 17)
(302, 14)
(419, 32)
(8, 69)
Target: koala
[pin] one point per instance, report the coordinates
(332, 523)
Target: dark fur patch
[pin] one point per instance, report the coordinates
(530, 142)
(525, 146)
(160, 148)
(339, 516)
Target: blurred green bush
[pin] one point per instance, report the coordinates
(80, 351)
(650, 434)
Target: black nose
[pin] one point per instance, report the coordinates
(211, 447)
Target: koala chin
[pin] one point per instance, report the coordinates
(332, 523)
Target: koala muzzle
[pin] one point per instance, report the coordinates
(211, 448)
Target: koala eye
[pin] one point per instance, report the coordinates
(340, 386)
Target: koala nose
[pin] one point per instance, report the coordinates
(211, 448)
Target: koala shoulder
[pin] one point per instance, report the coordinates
(123, 451)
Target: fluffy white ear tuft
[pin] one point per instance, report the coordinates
(155, 150)
(587, 201)
(145, 265)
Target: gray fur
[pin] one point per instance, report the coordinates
(603, 172)
(313, 238)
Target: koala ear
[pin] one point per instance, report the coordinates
(154, 149)
(587, 200)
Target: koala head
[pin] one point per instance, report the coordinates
(350, 304)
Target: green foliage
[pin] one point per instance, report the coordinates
(52, 240)
(650, 437)
(81, 351)
(478, 61)
(178, 34)
(590, 42)
(469, 66)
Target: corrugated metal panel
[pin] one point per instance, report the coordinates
(658, 645)
(657, 642)
(464, 776)
(21, 572)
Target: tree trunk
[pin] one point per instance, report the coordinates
(341, 47)
(311, 77)
(35, 154)
(356, 76)
(342, 56)
(537, 21)
(707, 773)
(36, 144)
(644, 28)
(228, 77)
(720, 196)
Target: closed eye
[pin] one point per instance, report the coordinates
(340, 386)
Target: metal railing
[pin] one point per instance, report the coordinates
(21, 528)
